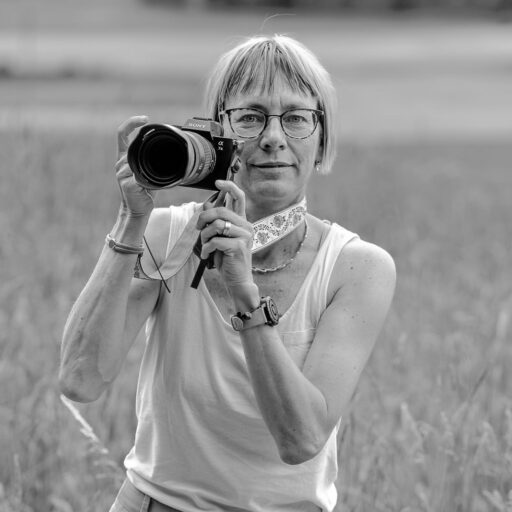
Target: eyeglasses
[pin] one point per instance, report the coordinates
(248, 123)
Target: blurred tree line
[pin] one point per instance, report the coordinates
(393, 5)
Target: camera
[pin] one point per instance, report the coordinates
(193, 155)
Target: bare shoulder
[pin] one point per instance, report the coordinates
(364, 266)
(362, 257)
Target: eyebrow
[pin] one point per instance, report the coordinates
(286, 106)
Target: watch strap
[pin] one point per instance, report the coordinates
(258, 317)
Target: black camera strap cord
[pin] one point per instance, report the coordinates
(156, 265)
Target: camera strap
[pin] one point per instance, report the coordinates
(269, 230)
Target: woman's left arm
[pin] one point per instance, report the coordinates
(301, 408)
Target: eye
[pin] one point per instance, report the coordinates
(248, 117)
(296, 118)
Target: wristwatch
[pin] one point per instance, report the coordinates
(266, 313)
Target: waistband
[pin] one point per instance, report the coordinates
(134, 500)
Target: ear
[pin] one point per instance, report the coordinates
(320, 150)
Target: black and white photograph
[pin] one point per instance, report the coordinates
(256, 256)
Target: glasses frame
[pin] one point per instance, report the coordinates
(319, 115)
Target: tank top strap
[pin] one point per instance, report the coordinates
(179, 217)
(173, 250)
(330, 250)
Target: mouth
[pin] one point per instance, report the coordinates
(271, 165)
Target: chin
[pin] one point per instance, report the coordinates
(273, 188)
(270, 189)
(275, 196)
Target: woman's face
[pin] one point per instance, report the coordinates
(275, 168)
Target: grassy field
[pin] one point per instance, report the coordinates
(430, 427)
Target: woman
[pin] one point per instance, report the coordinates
(238, 408)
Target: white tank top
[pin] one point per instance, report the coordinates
(201, 443)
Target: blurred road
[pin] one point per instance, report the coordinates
(398, 78)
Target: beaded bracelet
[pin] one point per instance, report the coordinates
(123, 248)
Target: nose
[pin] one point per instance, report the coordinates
(273, 136)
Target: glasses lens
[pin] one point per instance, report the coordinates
(246, 122)
(299, 123)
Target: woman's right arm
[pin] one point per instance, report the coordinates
(113, 306)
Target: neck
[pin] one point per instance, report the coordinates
(255, 212)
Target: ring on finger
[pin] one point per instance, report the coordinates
(227, 228)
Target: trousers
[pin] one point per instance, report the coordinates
(130, 499)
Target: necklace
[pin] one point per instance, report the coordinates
(287, 262)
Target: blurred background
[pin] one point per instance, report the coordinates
(424, 169)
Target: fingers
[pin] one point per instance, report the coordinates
(235, 196)
(121, 163)
(226, 229)
(222, 213)
(228, 246)
(123, 171)
(124, 131)
(136, 199)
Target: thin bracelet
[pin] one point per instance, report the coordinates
(123, 248)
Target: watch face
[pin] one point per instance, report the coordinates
(273, 313)
(237, 323)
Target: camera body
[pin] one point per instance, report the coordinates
(193, 155)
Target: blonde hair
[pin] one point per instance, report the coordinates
(265, 58)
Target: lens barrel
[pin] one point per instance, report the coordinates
(164, 156)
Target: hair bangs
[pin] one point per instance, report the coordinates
(258, 68)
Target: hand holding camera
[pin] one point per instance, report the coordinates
(164, 156)
(136, 201)
(226, 234)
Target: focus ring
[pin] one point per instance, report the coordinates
(205, 159)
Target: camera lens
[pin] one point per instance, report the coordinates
(168, 156)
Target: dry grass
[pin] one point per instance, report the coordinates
(431, 425)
